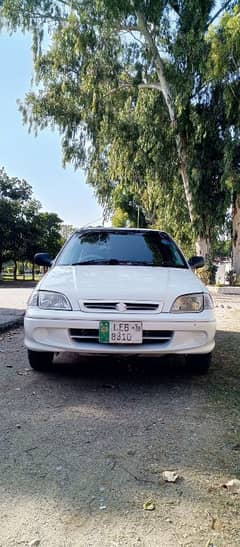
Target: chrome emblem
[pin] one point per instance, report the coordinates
(121, 307)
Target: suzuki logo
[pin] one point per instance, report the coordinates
(121, 307)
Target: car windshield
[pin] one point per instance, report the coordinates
(131, 248)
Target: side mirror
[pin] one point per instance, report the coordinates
(196, 262)
(43, 259)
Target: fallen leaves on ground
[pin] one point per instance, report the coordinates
(149, 505)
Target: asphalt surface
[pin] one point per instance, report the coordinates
(13, 301)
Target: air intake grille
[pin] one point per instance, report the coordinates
(121, 307)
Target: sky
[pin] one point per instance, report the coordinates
(37, 159)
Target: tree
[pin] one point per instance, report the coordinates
(42, 233)
(24, 229)
(223, 70)
(15, 197)
(120, 218)
(50, 238)
(100, 53)
(67, 230)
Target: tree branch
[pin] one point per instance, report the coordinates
(175, 6)
(155, 86)
(129, 28)
(126, 85)
(44, 16)
(47, 17)
(223, 7)
(165, 89)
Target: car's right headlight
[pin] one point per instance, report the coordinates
(49, 300)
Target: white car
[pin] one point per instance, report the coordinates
(120, 291)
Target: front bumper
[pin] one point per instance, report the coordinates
(52, 331)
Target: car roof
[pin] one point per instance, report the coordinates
(113, 228)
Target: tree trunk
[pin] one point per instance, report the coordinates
(33, 272)
(236, 233)
(203, 244)
(15, 270)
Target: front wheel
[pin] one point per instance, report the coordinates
(199, 363)
(40, 360)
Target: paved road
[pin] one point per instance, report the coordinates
(13, 302)
(82, 448)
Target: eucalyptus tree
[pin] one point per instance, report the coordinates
(224, 71)
(141, 160)
(98, 53)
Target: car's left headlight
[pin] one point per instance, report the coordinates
(192, 303)
(49, 300)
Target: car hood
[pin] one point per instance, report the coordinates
(121, 283)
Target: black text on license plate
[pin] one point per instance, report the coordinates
(120, 332)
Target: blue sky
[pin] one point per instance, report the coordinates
(37, 159)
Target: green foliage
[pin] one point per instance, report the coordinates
(222, 249)
(223, 60)
(91, 79)
(120, 218)
(24, 229)
(208, 273)
(232, 278)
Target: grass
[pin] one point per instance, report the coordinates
(27, 277)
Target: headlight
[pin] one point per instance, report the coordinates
(188, 303)
(47, 300)
(33, 299)
(208, 301)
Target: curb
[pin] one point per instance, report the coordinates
(7, 325)
(227, 290)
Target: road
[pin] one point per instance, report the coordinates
(13, 301)
(83, 448)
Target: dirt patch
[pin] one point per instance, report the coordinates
(83, 449)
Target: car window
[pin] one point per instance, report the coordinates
(126, 247)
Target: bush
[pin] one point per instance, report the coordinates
(207, 274)
(233, 278)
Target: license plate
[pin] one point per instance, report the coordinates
(120, 332)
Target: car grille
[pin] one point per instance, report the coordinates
(104, 306)
(149, 336)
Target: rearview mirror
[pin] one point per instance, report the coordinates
(43, 259)
(196, 262)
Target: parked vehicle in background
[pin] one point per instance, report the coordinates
(120, 291)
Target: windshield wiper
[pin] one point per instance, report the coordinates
(96, 261)
(136, 263)
(171, 265)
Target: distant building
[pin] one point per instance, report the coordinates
(224, 265)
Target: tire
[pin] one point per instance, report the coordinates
(199, 363)
(40, 360)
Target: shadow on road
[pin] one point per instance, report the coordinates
(11, 311)
(141, 370)
(97, 433)
(17, 284)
